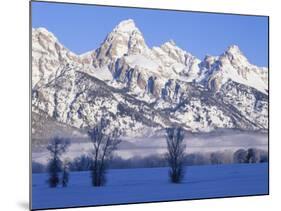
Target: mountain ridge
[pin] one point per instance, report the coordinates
(164, 86)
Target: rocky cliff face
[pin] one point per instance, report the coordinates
(141, 89)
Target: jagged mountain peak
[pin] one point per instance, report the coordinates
(49, 56)
(233, 53)
(46, 39)
(176, 54)
(234, 49)
(125, 39)
(170, 42)
(171, 46)
(234, 65)
(127, 29)
(42, 30)
(43, 34)
(127, 26)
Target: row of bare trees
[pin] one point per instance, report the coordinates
(104, 143)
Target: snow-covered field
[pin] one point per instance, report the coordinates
(152, 184)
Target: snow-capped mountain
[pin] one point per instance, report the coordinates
(141, 89)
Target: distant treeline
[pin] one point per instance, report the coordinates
(84, 162)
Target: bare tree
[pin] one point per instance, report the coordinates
(176, 153)
(103, 146)
(253, 156)
(56, 148)
(216, 158)
(65, 174)
(240, 156)
(81, 163)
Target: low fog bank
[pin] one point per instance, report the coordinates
(220, 140)
(201, 149)
(226, 140)
(200, 143)
(84, 162)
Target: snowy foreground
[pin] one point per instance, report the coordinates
(152, 184)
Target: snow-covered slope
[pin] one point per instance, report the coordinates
(48, 57)
(141, 89)
(233, 65)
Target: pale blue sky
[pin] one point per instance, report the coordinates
(81, 28)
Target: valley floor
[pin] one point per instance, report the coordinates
(152, 184)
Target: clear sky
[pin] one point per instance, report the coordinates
(82, 28)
